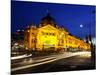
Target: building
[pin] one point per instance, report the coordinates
(17, 40)
(48, 36)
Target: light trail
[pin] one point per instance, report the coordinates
(55, 58)
(32, 61)
(20, 57)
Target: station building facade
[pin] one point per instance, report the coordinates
(49, 35)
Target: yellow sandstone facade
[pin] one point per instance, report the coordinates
(48, 35)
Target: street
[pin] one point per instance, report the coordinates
(53, 63)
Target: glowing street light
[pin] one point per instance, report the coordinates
(81, 26)
(18, 30)
(28, 31)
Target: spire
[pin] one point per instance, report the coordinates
(48, 12)
(48, 19)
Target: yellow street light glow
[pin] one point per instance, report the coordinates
(28, 31)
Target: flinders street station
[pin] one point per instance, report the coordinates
(52, 37)
(48, 35)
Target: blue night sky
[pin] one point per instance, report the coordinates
(67, 15)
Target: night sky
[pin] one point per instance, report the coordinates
(67, 15)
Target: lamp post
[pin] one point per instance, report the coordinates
(81, 26)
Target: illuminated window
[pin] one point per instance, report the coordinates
(53, 34)
(46, 33)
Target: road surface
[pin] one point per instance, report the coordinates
(53, 63)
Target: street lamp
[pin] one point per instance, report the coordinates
(81, 26)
